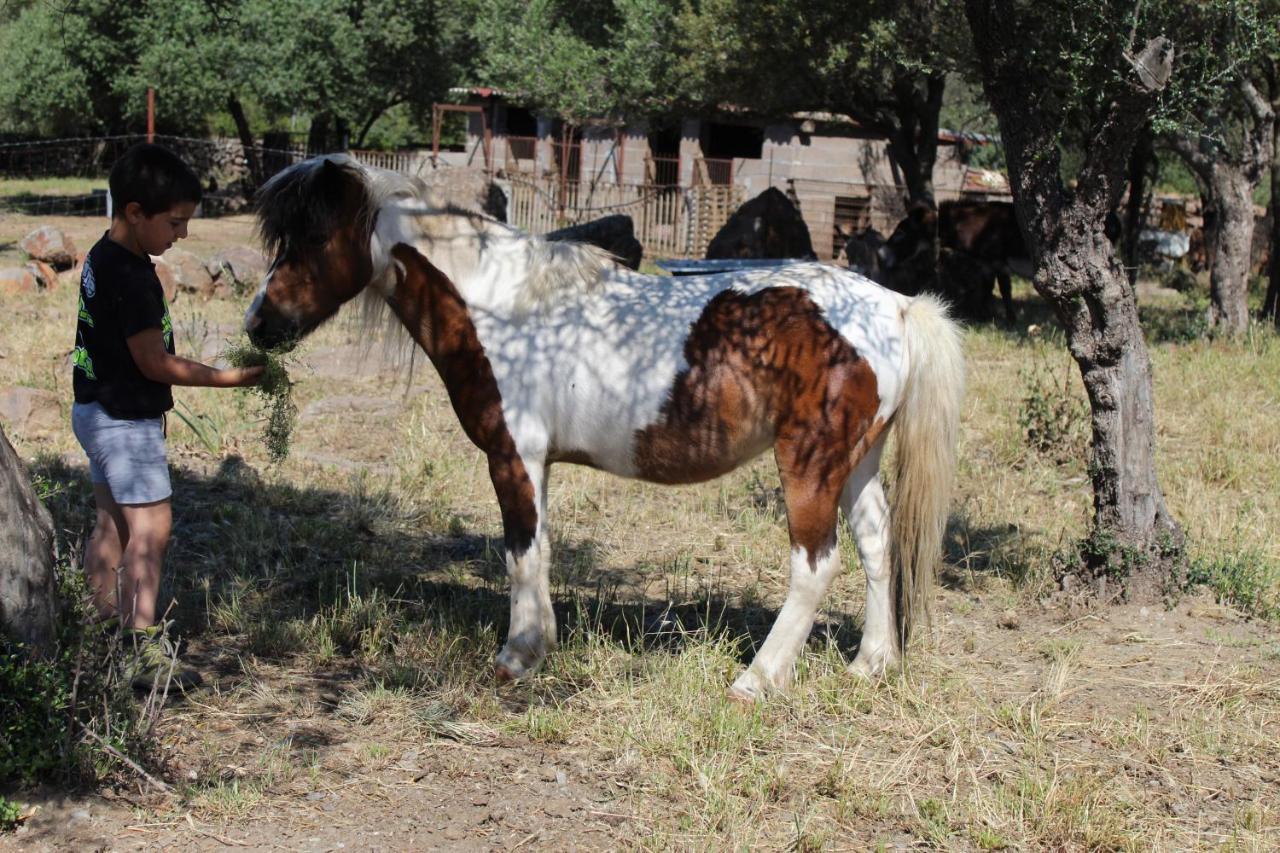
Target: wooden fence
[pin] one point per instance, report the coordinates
(670, 222)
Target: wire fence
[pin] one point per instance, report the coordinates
(68, 177)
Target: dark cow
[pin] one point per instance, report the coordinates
(985, 234)
(862, 251)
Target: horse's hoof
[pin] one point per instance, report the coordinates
(871, 667)
(503, 674)
(744, 699)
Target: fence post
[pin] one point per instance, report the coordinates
(151, 114)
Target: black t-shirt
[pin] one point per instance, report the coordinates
(120, 296)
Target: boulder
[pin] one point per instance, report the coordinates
(615, 234)
(467, 189)
(50, 245)
(16, 280)
(30, 410)
(239, 268)
(45, 275)
(190, 274)
(168, 278)
(767, 226)
(28, 598)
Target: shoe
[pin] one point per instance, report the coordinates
(155, 661)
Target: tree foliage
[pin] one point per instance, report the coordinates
(882, 63)
(87, 63)
(584, 60)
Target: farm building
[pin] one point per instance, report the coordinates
(681, 183)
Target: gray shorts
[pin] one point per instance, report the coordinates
(126, 455)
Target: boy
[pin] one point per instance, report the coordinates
(123, 367)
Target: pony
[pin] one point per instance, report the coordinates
(552, 353)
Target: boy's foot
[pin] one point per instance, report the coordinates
(155, 661)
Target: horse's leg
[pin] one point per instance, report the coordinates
(1006, 292)
(812, 510)
(867, 513)
(522, 495)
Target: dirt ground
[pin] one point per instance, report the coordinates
(1148, 724)
(509, 793)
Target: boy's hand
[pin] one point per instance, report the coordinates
(242, 377)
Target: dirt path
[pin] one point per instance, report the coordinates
(510, 793)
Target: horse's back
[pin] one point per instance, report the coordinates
(682, 379)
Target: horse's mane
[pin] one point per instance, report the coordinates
(296, 207)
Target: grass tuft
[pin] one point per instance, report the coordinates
(276, 391)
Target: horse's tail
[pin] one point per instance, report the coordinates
(927, 425)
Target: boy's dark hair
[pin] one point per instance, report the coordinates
(154, 177)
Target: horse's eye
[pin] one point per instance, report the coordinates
(317, 241)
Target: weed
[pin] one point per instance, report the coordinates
(1054, 420)
(48, 704)
(1246, 580)
(276, 391)
(10, 815)
(207, 428)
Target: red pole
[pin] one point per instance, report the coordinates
(151, 114)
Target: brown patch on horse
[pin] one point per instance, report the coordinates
(574, 457)
(766, 368)
(433, 310)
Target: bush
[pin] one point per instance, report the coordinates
(48, 704)
(1054, 421)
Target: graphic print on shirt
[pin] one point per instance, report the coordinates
(80, 358)
(166, 328)
(87, 284)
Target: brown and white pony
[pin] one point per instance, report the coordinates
(552, 353)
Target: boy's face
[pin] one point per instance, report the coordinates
(156, 234)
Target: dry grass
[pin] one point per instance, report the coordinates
(347, 604)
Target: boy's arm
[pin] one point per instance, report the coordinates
(158, 365)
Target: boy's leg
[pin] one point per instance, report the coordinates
(149, 526)
(105, 551)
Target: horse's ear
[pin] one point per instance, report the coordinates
(329, 171)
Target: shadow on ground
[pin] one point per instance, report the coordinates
(249, 558)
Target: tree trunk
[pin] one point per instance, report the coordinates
(1271, 305)
(28, 602)
(1232, 243)
(1078, 275)
(1230, 178)
(1081, 278)
(246, 140)
(913, 140)
(1139, 161)
(318, 135)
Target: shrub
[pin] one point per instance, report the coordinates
(48, 704)
(1054, 421)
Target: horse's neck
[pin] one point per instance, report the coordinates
(484, 261)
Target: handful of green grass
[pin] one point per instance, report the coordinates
(275, 391)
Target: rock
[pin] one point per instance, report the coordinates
(615, 234)
(239, 268)
(50, 245)
(1009, 620)
(467, 189)
(27, 410)
(767, 226)
(191, 275)
(16, 280)
(347, 405)
(168, 279)
(28, 599)
(46, 276)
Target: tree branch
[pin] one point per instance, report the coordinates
(1261, 111)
